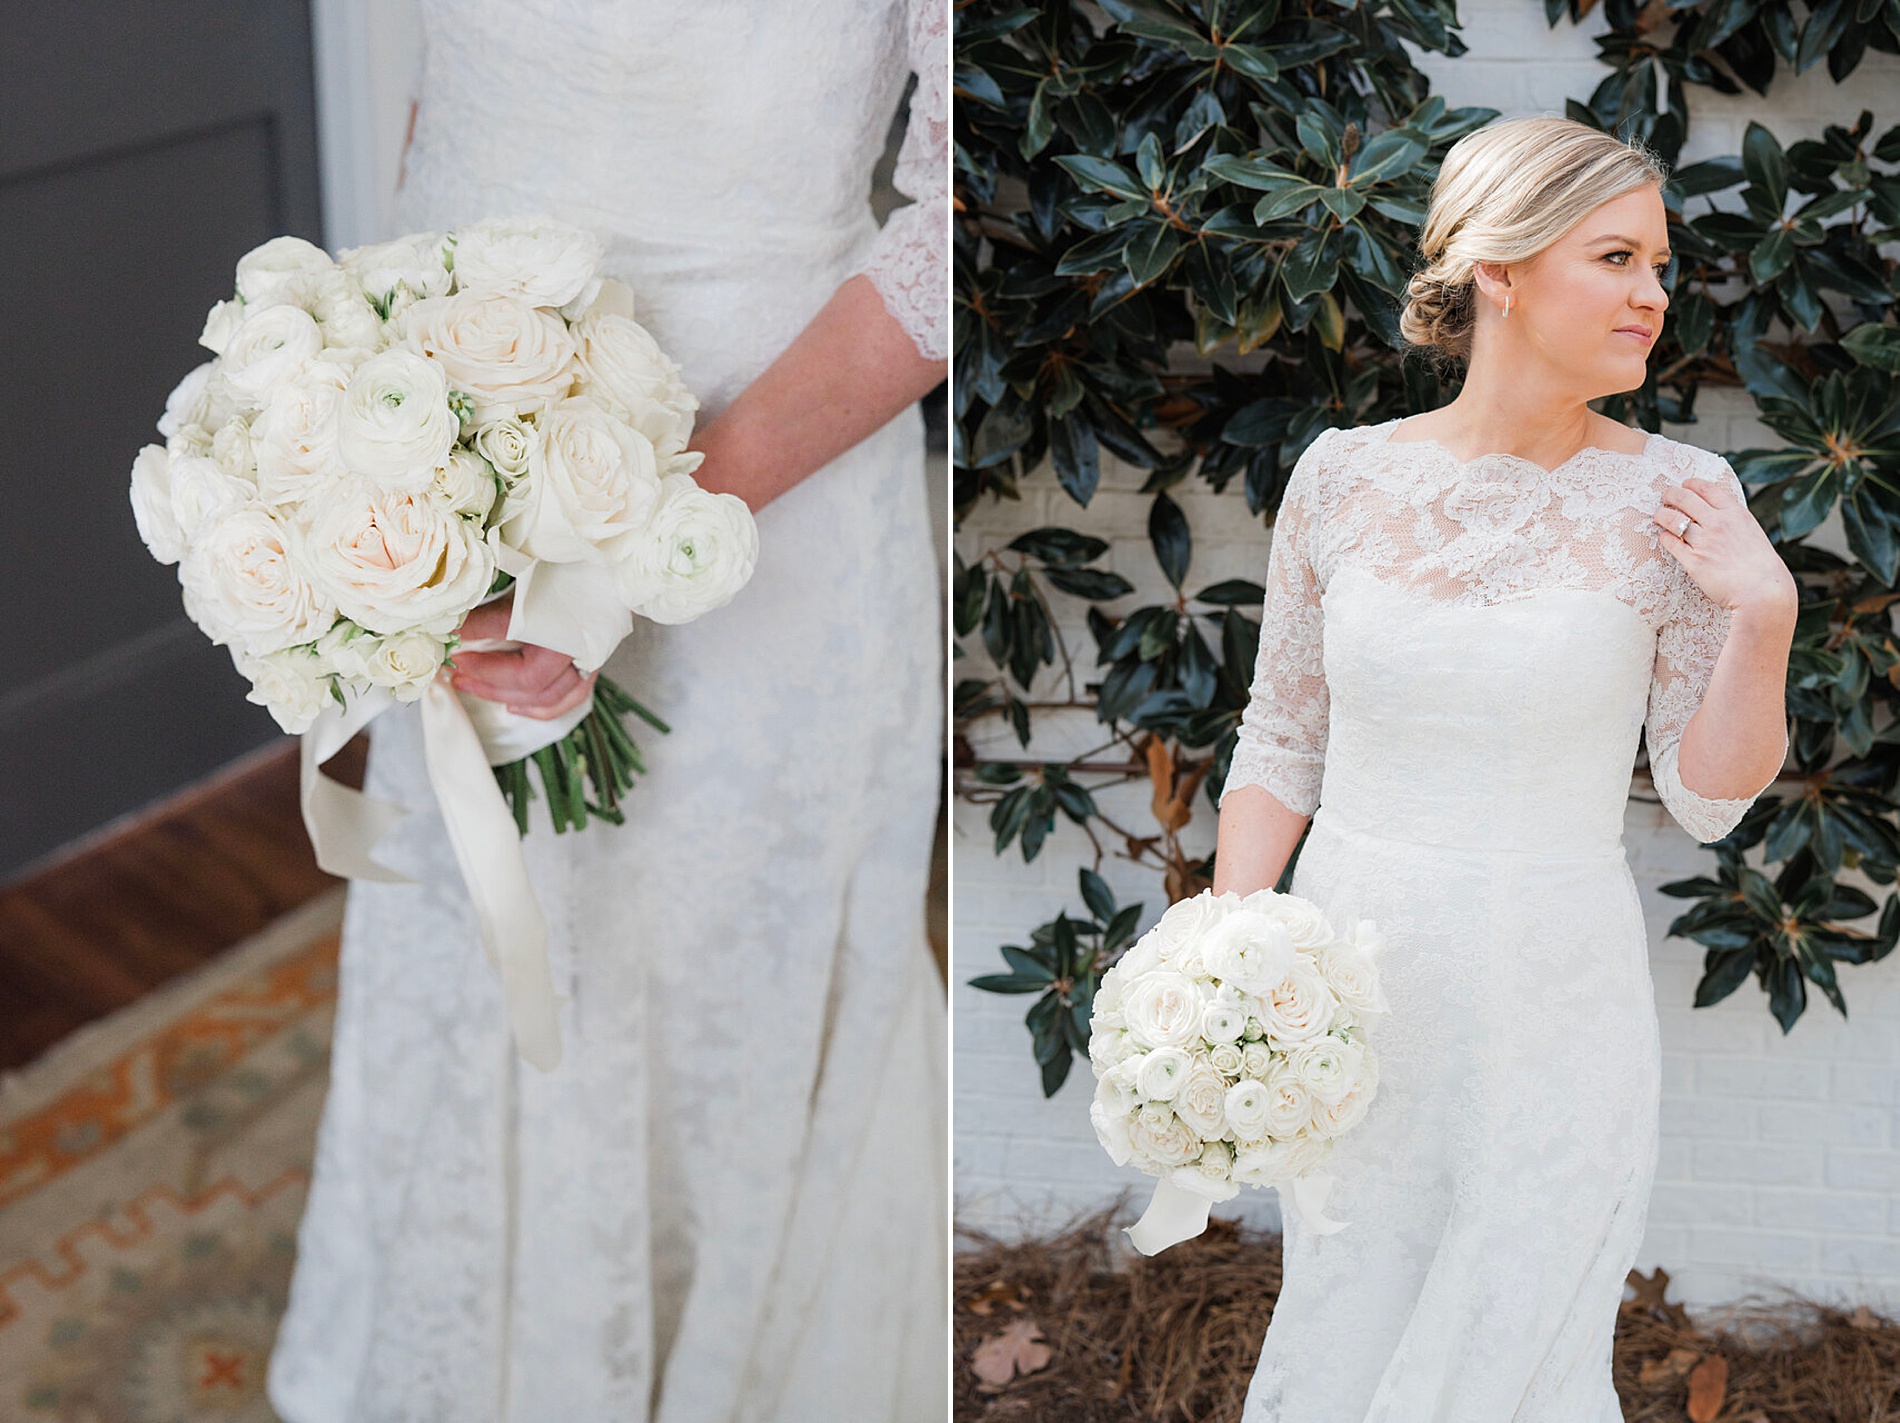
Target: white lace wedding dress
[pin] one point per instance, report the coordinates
(1455, 662)
(727, 1205)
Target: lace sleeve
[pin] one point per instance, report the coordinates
(1690, 640)
(1282, 743)
(909, 263)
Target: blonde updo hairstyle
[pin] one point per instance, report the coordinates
(1503, 194)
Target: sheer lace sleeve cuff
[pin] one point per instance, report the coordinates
(1706, 818)
(909, 264)
(1281, 743)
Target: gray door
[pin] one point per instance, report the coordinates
(143, 149)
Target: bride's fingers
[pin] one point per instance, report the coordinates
(543, 710)
(1691, 503)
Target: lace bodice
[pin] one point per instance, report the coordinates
(1368, 519)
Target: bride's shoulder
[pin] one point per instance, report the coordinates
(1670, 461)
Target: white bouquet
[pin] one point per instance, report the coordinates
(387, 439)
(1229, 1049)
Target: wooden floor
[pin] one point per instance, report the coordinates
(155, 898)
(163, 893)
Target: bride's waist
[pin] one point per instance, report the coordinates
(1568, 838)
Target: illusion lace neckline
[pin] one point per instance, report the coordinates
(1500, 456)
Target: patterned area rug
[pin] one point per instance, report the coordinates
(152, 1171)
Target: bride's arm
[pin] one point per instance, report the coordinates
(846, 375)
(1273, 784)
(881, 342)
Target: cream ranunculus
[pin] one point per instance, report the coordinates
(1247, 1109)
(1119, 1088)
(508, 356)
(1159, 1074)
(1299, 1006)
(1188, 921)
(343, 314)
(1249, 950)
(271, 347)
(535, 258)
(1164, 1009)
(152, 504)
(221, 323)
(232, 448)
(395, 425)
(464, 484)
(623, 367)
(1223, 1020)
(1304, 922)
(247, 580)
(1329, 1066)
(394, 561)
(291, 684)
(592, 478)
(1142, 956)
(266, 272)
(189, 403)
(394, 273)
(1201, 1101)
(201, 492)
(296, 435)
(1268, 1163)
(694, 555)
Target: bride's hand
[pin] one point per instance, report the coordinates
(531, 681)
(1724, 550)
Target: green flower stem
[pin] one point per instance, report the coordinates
(598, 754)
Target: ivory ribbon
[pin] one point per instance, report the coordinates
(1175, 1214)
(462, 738)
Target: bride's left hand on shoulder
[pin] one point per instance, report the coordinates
(1725, 550)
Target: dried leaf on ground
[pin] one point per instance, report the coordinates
(1673, 1365)
(998, 1292)
(1017, 1350)
(1708, 1386)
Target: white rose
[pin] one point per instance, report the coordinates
(1247, 1108)
(1289, 1105)
(1164, 1009)
(1299, 1006)
(189, 403)
(464, 485)
(1228, 1059)
(395, 425)
(509, 445)
(291, 684)
(1188, 921)
(592, 478)
(1157, 1134)
(152, 504)
(271, 347)
(1201, 1101)
(231, 448)
(1249, 950)
(1111, 1129)
(1268, 1163)
(1142, 956)
(244, 573)
(202, 492)
(1159, 1074)
(1118, 1088)
(534, 258)
(1110, 1048)
(405, 269)
(221, 323)
(404, 662)
(1327, 1065)
(1335, 1119)
(623, 367)
(1353, 974)
(296, 435)
(265, 272)
(393, 560)
(694, 555)
(1254, 1058)
(1303, 919)
(1208, 1175)
(507, 356)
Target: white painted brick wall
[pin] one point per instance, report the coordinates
(1781, 1155)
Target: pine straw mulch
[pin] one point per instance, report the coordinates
(1096, 1333)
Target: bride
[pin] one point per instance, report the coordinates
(1470, 616)
(728, 1201)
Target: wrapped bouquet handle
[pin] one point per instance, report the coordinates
(1176, 1213)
